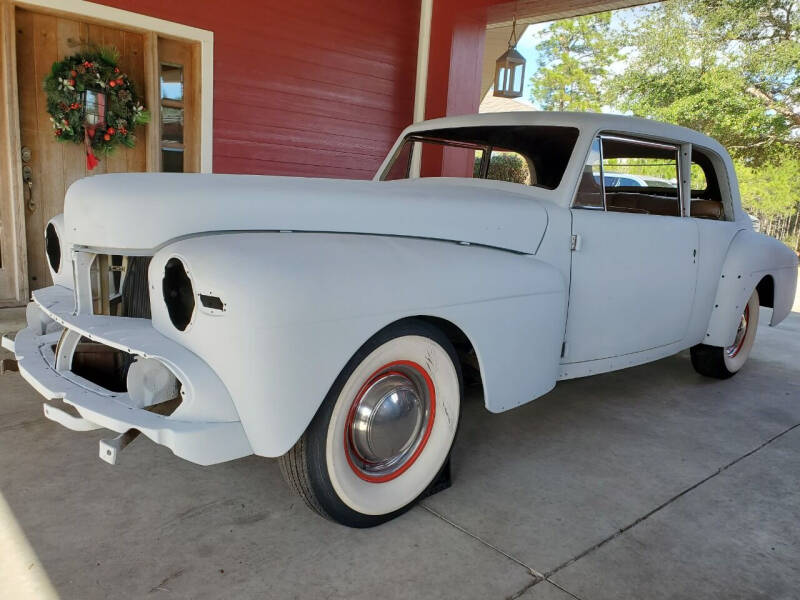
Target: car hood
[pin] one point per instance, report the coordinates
(137, 213)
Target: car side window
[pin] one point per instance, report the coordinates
(708, 200)
(590, 192)
(639, 176)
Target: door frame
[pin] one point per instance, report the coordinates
(605, 362)
(11, 193)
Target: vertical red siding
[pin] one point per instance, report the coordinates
(304, 87)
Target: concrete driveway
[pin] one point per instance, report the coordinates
(651, 482)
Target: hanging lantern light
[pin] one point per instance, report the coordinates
(509, 72)
(94, 118)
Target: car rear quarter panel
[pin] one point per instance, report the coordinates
(714, 240)
(299, 305)
(751, 257)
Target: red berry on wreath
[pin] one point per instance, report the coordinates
(110, 131)
(119, 81)
(116, 69)
(107, 137)
(59, 132)
(112, 83)
(71, 82)
(73, 73)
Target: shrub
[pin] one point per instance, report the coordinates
(505, 167)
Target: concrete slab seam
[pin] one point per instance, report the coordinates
(562, 588)
(537, 577)
(535, 582)
(646, 516)
(534, 573)
(525, 588)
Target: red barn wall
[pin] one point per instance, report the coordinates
(304, 87)
(458, 29)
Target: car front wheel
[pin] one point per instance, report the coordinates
(385, 428)
(713, 361)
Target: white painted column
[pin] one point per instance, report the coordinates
(421, 87)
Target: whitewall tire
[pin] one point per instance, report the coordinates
(722, 363)
(384, 431)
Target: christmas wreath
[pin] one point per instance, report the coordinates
(91, 101)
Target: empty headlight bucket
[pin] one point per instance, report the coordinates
(57, 252)
(178, 293)
(52, 247)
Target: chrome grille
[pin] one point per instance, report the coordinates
(135, 295)
(112, 285)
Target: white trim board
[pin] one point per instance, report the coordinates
(421, 84)
(126, 19)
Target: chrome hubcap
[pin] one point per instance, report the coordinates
(388, 421)
(741, 331)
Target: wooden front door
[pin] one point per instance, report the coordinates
(51, 166)
(42, 40)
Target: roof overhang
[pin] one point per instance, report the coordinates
(538, 11)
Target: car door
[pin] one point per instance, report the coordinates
(634, 260)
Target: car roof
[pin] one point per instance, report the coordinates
(586, 122)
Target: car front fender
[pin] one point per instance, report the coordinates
(297, 306)
(751, 258)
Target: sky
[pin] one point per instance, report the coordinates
(527, 47)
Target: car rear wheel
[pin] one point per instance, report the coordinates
(384, 431)
(714, 361)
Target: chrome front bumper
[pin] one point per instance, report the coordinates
(205, 428)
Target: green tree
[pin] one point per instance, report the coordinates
(573, 66)
(729, 68)
(771, 193)
(771, 189)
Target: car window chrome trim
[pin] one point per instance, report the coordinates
(640, 142)
(602, 174)
(572, 205)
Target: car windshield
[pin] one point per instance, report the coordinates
(528, 155)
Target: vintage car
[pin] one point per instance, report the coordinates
(331, 323)
(611, 179)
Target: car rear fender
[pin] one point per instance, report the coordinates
(751, 259)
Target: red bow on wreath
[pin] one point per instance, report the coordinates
(94, 106)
